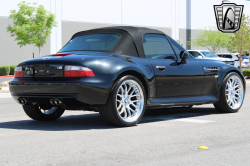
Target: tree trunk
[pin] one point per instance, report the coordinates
(240, 52)
(249, 56)
(39, 50)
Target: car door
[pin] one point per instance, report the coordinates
(173, 79)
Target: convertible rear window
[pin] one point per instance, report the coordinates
(93, 42)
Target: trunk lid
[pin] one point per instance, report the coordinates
(53, 66)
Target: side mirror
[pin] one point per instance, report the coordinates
(199, 56)
(183, 55)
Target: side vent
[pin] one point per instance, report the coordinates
(211, 69)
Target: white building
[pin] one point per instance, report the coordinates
(181, 19)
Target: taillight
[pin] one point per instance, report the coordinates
(62, 54)
(77, 71)
(18, 72)
(238, 60)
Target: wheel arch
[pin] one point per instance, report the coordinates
(138, 75)
(240, 74)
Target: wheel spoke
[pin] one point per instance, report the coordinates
(129, 113)
(125, 90)
(134, 95)
(119, 106)
(130, 86)
(133, 112)
(125, 113)
(132, 91)
(135, 101)
(119, 95)
(122, 90)
(133, 105)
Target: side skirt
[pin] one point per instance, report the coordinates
(182, 101)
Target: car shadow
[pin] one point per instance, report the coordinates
(95, 121)
(156, 115)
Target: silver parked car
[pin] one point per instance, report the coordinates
(236, 58)
(208, 55)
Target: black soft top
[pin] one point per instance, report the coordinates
(131, 38)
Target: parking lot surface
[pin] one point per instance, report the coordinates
(163, 137)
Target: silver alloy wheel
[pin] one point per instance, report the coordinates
(49, 111)
(234, 92)
(129, 101)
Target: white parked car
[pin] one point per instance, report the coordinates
(236, 58)
(208, 55)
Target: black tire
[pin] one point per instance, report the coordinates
(109, 111)
(34, 112)
(222, 105)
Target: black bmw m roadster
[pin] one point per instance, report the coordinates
(121, 71)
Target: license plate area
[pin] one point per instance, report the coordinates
(48, 70)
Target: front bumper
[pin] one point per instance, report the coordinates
(73, 92)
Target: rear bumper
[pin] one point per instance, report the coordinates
(74, 92)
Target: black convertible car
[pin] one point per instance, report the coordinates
(121, 71)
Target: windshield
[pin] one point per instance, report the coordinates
(244, 57)
(208, 54)
(93, 42)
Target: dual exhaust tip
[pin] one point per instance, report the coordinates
(55, 101)
(24, 101)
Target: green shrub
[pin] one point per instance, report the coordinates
(246, 72)
(4, 70)
(12, 68)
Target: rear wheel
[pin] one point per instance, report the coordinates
(37, 113)
(126, 103)
(231, 94)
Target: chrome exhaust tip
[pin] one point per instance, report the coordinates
(22, 101)
(56, 102)
(52, 101)
(25, 101)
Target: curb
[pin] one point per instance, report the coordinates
(6, 76)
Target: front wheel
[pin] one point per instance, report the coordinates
(231, 94)
(126, 103)
(37, 113)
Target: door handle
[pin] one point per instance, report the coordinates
(161, 67)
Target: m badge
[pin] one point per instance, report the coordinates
(228, 17)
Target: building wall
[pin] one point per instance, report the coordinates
(180, 19)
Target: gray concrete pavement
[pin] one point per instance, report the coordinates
(164, 137)
(5, 79)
